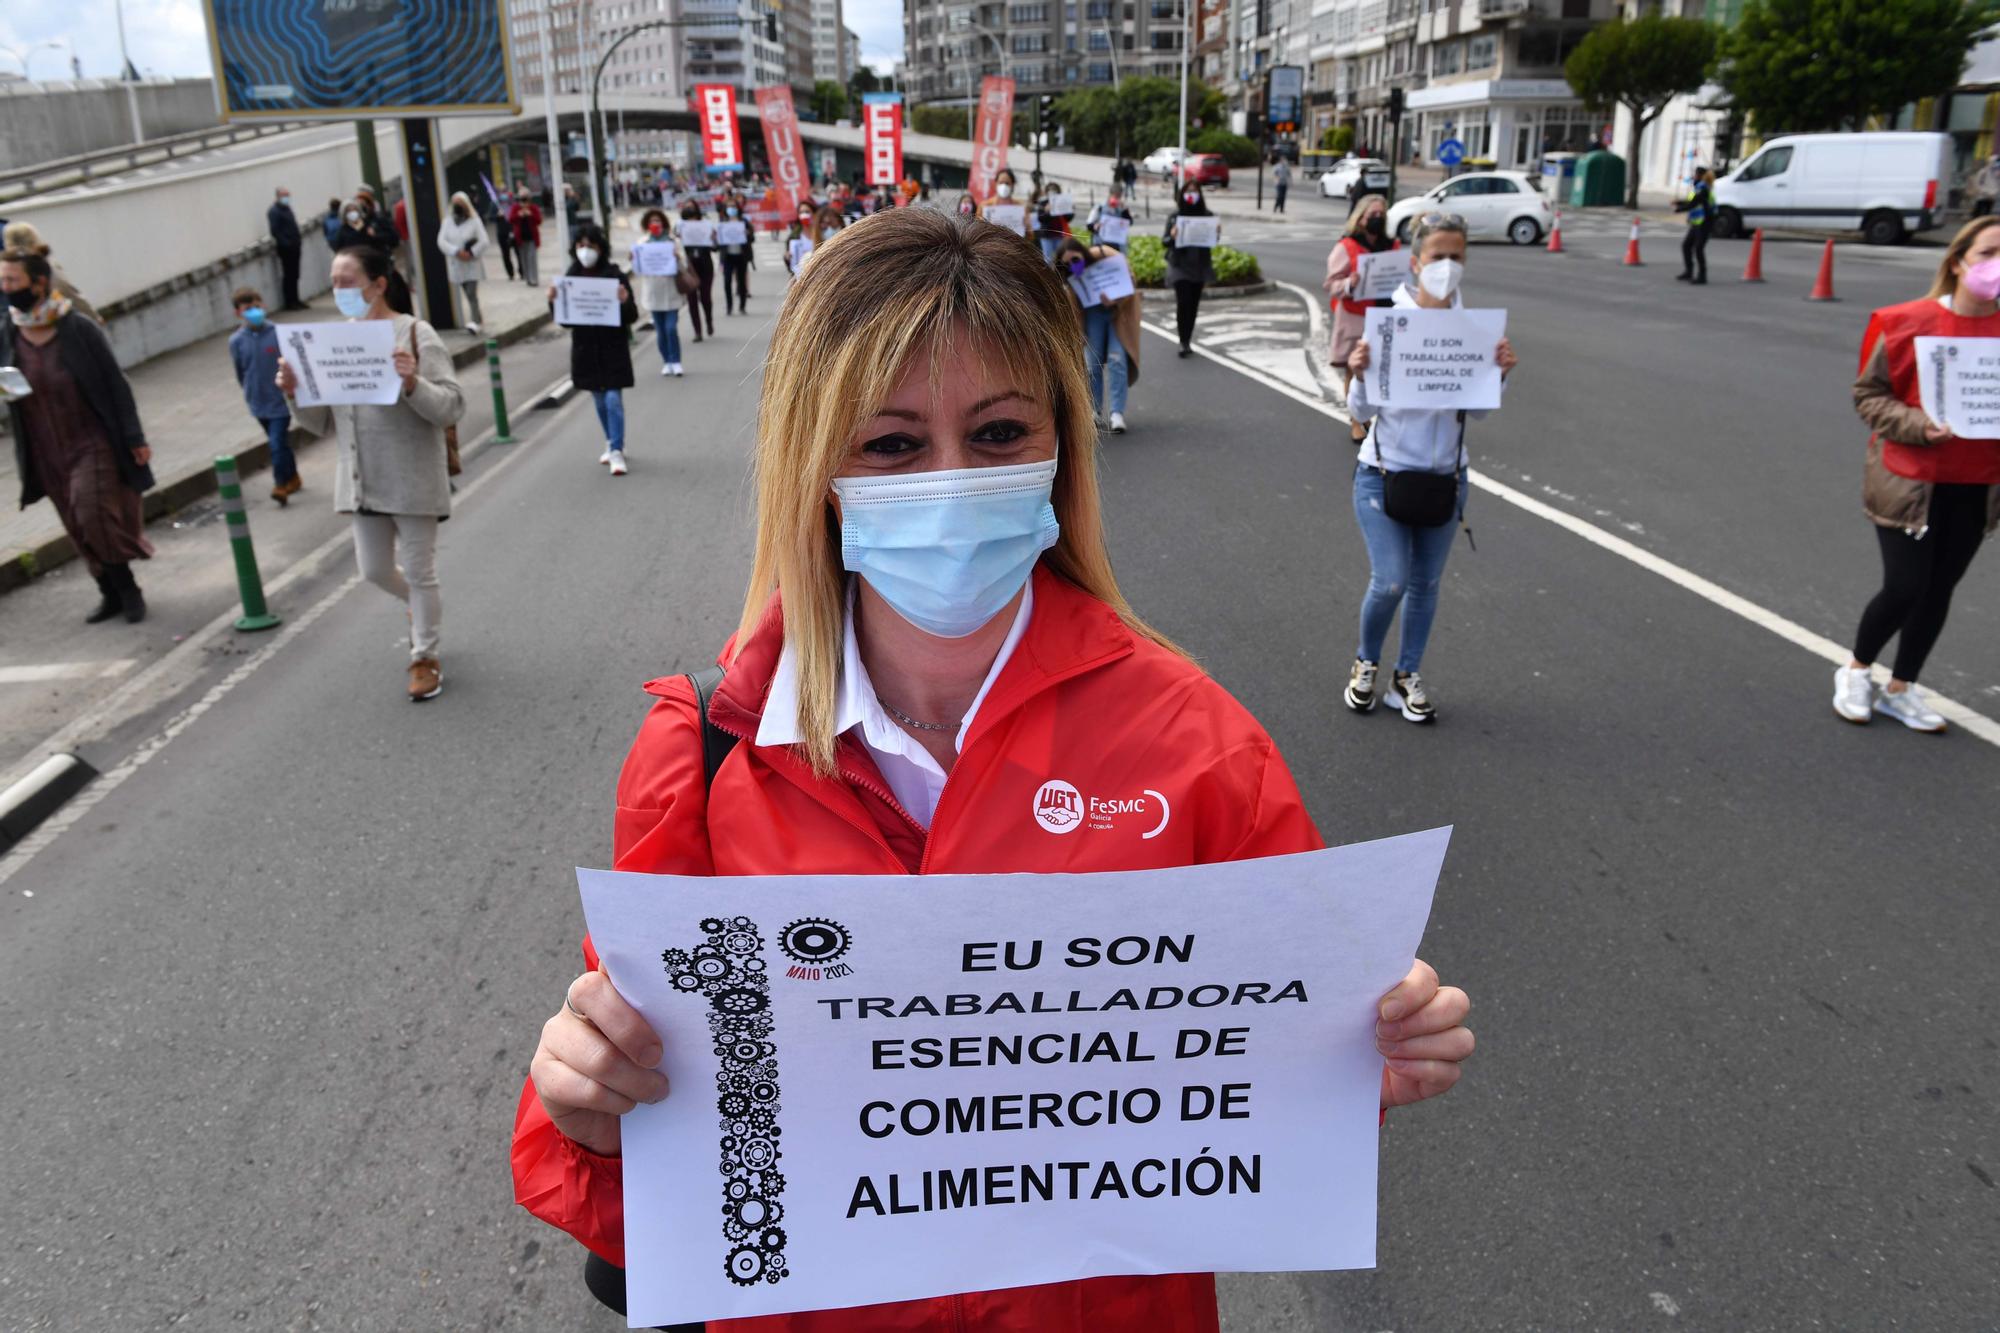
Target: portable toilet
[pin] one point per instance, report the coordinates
(1600, 180)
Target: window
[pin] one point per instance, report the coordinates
(1773, 162)
(1097, 9)
(1100, 40)
(1445, 57)
(1539, 48)
(1100, 73)
(1482, 52)
(1501, 185)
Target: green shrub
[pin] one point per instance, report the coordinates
(1148, 257)
(1233, 267)
(1337, 138)
(1236, 150)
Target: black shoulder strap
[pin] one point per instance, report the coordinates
(715, 742)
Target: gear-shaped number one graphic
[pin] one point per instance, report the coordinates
(727, 969)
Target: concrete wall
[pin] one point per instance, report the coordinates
(46, 121)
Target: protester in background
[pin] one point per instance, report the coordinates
(967, 206)
(77, 438)
(461, 239)
(1367, 234)
(737, 261)
(284, 229)
(365, 226)
(1701, 221)
(1985, 185)
(526, 219)
(827, 223)
(329, 225)
(503, 234)
(802, 229)
(1281, 183)
(22, 238)
(571, 203)
(1932, 496)
(253, 350)
(925, 349)
(701, 302)
(1112, 207)
(1189, 267)
(600, 355)
(1406, 559)
(392, 473)
(1003, 190)
(1050, 228)
(660, 294)
(1110, 333)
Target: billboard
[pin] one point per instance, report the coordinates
(882, 137)
(1284, 98)
(996, 125)
(715, 116)
(338, 59)
(783, 146)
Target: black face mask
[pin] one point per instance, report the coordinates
(1374, 226)
(24, 300)
(459, 213)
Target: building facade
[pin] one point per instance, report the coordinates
(1045, 46)
(1492, 78)
(829, 45)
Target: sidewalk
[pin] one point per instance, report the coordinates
(193, 411)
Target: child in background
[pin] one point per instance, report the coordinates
(254, 350)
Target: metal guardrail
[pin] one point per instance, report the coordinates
(24, 182)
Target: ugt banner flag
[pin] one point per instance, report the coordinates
(721, 140)
(882, 136)
(783, 146)
(989, 142)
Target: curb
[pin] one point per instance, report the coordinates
(198, 481)
(1212, 292)
(40, 794)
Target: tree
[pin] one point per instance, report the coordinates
(828, 102)
(1832, 64)
(1138, 116)
(1643, 65)
(1236, 150)
(865, 80)
(945, 121)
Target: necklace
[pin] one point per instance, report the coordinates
(909, 721)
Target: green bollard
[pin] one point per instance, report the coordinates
(255, 615)
(500, 435)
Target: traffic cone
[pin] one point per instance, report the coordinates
(1556, 235)
(1754, 270)
(1632, 247)
(1823, 286)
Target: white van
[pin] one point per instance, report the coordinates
(1883, 185)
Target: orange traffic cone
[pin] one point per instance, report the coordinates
(1632, 247)
(1754, 270)
(1823, 286)
(1556, 235)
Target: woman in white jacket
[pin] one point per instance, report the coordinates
(1406, 554)
(462, 240)
(660, 293)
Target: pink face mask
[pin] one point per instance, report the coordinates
(1983, 279)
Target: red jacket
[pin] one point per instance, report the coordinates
(1899, 327)
(1083, 702)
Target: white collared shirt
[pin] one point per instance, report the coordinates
(914, 777)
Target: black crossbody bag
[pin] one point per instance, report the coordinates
(1423, 499)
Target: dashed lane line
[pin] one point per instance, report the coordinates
(35, 673)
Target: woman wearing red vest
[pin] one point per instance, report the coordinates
(1367, 233)
(932, 632)
(1932, 496)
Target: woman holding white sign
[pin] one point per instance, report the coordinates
(1190, 267)
(660, 293)
(393, 472)
(1409, 490)
(932, 636)
(1367, 234)
(1932, 495)
(1110, 326)
(697, 238)
(600, 354)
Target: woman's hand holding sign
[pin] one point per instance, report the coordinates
(406, 369)
(597, 1060)
(1422, 1037)
(1504, 357)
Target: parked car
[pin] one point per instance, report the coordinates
(1352, 177)
(1496, 205)
(1207, 169)
(1161, 161)
(1884, 185)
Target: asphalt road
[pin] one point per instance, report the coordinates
(270, 1003)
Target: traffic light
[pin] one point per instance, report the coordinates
(1045, 117)
(1395, 104)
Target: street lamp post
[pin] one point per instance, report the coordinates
(561, 216)
(1180, 167)
(1118, 109)
(965, 63)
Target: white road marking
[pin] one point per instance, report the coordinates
(1958, 714)
(1665, 1304)
(30, 675)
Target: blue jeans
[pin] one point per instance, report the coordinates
(1406, 565)
(1049, 244)
(667, 328)
(279, 430)
(1103, 351)
(610, 404)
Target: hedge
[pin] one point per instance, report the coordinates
(1148, 257)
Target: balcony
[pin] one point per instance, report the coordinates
(1499, 10)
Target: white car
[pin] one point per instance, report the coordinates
(1339, 180)
(1161, 161)
(1496, 205)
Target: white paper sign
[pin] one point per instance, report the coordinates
(342, 364)
(920, 1085)
(1958, 383)
(1014, 217)
(587, 301)
(1112, 229)
(656, 259)
(732, 233)
(1204, 232)
(1059, 206)
(1106, 280)
(1377, 276)
(1434, 359)
(698, 233)
(797, 249)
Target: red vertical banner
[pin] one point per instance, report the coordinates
(882, 137)
(715, 113)
(784, 147)
(989, 140)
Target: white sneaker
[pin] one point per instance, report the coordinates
(1908, 707)
(472, 329)
(1854, 694)
(618, 464)
(1117, 423)
(604, 458)
(1360, 694)
(666, 370)
(677, 369)
(1406, 692)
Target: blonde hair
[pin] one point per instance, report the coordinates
(1946, 282)
(886, 294)
(1360, 211)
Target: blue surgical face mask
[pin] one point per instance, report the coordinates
(948, 550)
(254, 316)
(351, 301)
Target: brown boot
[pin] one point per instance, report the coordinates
(426, 679)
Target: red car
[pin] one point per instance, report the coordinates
(1207, 169)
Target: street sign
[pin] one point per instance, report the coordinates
(1451, 152)
(282, 60)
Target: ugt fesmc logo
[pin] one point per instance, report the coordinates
(1061, 808)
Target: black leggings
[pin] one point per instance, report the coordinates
(736, 282)
(1918, 575)
(1694, 252)
(1187, 303)
(701, 302)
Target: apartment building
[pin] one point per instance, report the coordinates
(1492, 78)
(829, 45)
(662, 61)
(1048, 46)
(850, 46)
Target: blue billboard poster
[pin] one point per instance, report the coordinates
(338, 59)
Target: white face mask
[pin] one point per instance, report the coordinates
(587, 256)
(1439, 278)
(1004, 190)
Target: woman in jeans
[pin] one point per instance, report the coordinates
(701, 303)
(600, 355)
(461, 239)
(1932, 496)
(1189, 267)
(660, 294)
(391, 472)
(1110, 332)
(1367, 233)
(1406, 562)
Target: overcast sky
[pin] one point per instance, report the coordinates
(168, 37)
